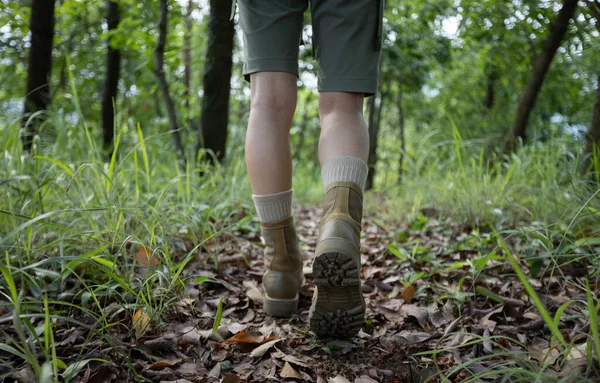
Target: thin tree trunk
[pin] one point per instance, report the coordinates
(401, 122)
(374, 119)
(490, 93)
(592, 148)
(111, 81)
(187, 55)
(217, 76)
(159, 54)
(540, 69)
(493, 55)
(39, 69)
(157, 108)
(372, 142)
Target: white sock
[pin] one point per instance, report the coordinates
(345, 168)
(274, 207)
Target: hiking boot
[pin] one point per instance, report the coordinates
(338, 307)
(284, 277)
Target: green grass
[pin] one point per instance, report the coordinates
(69, 214)
(538, 184)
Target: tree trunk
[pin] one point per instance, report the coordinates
(111, 81)
(374, 119)
(159, 55)
(401, 122)
(372, 142)
(592, 149)
(490, 93)
(157, 108)
(540, 68)
(217, 76)
(39, 68)
(187, 55)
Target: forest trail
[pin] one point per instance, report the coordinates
(440, 297)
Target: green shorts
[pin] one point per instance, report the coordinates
(346, 39)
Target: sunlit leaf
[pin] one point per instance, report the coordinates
(408, 293)
(141, 323)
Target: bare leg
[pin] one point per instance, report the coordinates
(268, 152)
(338, 307)
(343, 128)
(269, 162)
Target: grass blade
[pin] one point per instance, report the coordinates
(144, 154)
(74, 369)
(593, 318)
(218, 317)
(530, 290)
(113, 161)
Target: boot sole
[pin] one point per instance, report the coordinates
(339, 309)
(282, 308)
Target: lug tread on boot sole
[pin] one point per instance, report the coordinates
(339, 309)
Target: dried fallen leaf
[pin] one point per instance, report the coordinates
(262, 350)
(297, 361)
(190, 335)
(419, 313)
(364, 379)
(408, 293)
(487, 344)
(391, 304)
(235, 327)
(270, 329)
(452, 326)
(247, 337)
(439, 317)
(230, 378)
(163, 363)
(160, 343)
(218, 336)
(487, 323)
(216, 371)
(338, 379)
(578, 352)
(219, 355)
(253, 292)
(411, 337)
(288, 372)
(145, 257)
(248, 317)
(531, 315)
(364, 335)
(573, 369)
(193, 369)
(549, 356)
(141, 323)
(340, 345)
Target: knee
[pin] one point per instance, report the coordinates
(275, 92)
(340, 102)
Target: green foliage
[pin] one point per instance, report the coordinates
(68, 212)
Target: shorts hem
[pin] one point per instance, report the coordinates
(368, 86)
(270, 65)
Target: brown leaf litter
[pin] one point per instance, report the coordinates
(408, 316)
